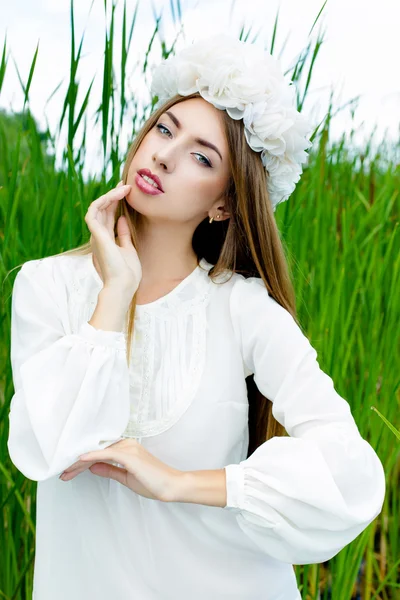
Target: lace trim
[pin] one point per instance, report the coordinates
(138, 425)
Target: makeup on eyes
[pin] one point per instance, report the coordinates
(198, 140)
(207, 164)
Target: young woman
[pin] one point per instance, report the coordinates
(167, 348)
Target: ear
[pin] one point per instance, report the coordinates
(223, 214)
(219, 208)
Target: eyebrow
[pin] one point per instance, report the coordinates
(200, 141)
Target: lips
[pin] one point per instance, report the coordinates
(153, 176)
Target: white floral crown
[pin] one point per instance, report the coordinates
(249, 84)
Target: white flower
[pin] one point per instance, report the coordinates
(249, 84)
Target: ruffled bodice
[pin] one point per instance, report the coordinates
(169, 345)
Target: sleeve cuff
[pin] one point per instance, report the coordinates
(234, 486)
(100, 337)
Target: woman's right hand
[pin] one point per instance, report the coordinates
(119, 264)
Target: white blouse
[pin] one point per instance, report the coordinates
(295, 500)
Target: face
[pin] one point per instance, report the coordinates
(193, 176)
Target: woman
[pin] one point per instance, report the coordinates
(218, 453)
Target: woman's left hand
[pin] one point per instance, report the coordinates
(141, 471)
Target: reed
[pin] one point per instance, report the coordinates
(341, 232)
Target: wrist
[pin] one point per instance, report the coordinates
(118, 292)
(206, 487)
(111, 310)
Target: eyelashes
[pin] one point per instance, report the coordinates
(207, 163)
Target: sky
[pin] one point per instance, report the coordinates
(359, 54)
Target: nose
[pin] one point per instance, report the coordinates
(164, 157)
(160, 162)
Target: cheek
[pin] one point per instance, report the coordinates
(207, 190)
(194, 195)
(200, 190)
(143, 156)
(133, 168)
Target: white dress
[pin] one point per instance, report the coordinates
(295, 500)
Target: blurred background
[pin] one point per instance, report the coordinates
(74, 90)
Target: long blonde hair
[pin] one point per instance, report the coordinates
(248, 243)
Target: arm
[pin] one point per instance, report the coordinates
(302, 498)
(200, 487)
(71, 390)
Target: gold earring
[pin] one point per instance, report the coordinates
(212, 219)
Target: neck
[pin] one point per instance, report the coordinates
(165, 254)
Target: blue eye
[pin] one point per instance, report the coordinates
(207, 163)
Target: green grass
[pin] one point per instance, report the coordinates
(341, 231)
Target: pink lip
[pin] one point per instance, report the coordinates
(145, 187)
(153, 176)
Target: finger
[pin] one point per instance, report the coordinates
(99, 207)
(122, 476)
(111, 196)
(77, 465)
(70, 473)
(117, 193)
(105, 452)
(98, 455)
(124, 234)
(105, 214)
(120, 183)
(73, 466)
(108, 455)
(120, 188)
(110, 471)
(110, 218)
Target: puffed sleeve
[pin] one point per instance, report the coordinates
(302, 498)
(71, 391)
